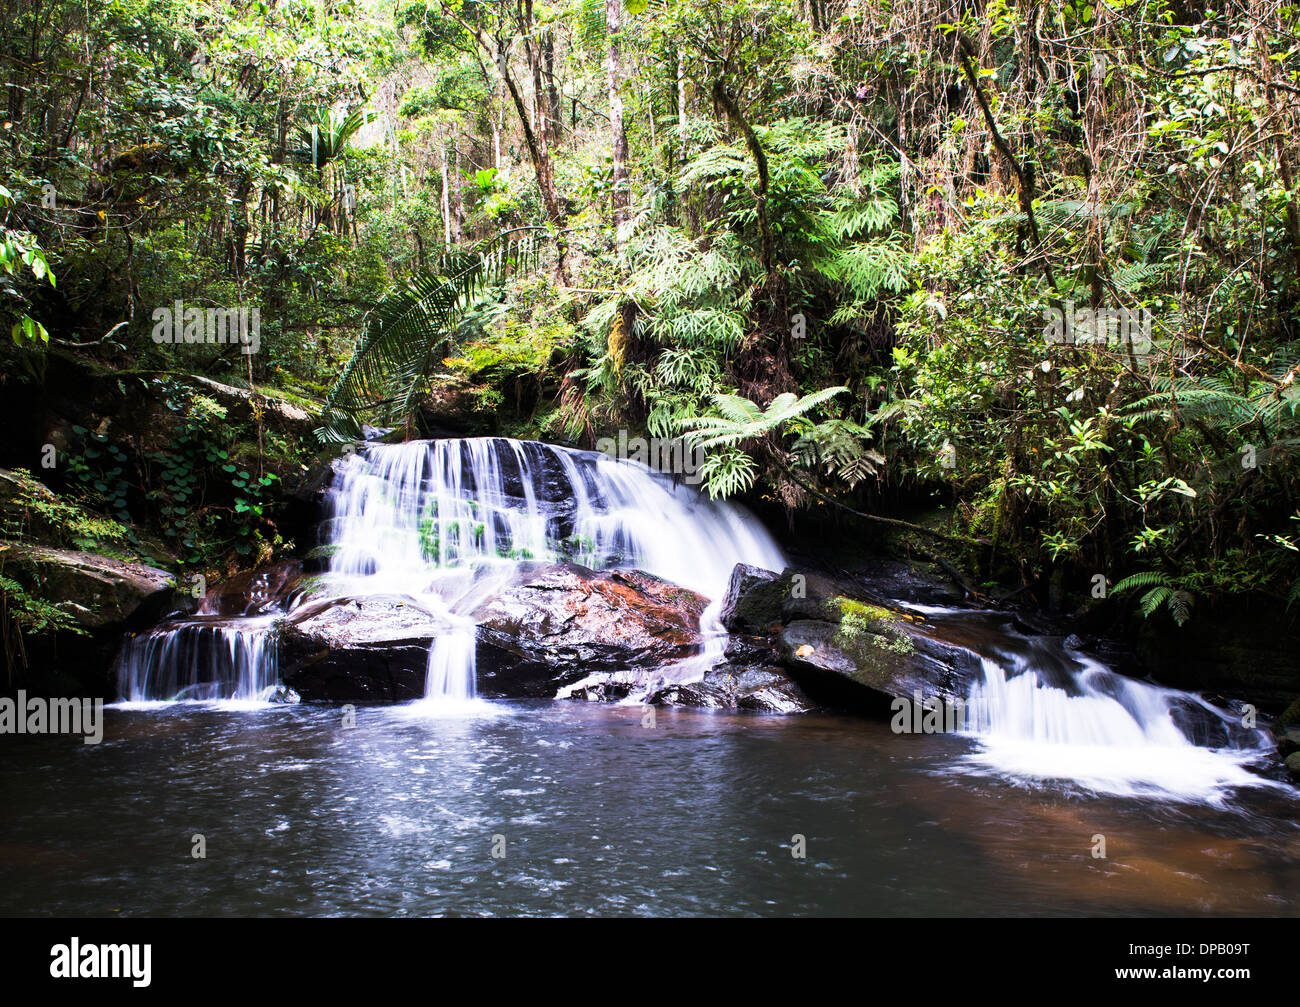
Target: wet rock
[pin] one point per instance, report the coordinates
(839, 647)
(808, 595)
(253, 591)
(746, 650)
(1293, 764)
(1249, 651)
(1288, 740)
(369, 650)
(552, 626)
(767, 689)
(95, 590)
(874, 655)
(753, 600)
(105, 597)
(562, 623)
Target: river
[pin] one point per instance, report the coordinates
(596, 814)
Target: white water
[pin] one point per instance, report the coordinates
(410, 518)
(447, 523)
(416, 519)
(450, 677)
(201, 661)
(1107, 733)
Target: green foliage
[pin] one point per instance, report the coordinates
(23, 614)
(413, 328)
(33, 513)
(20, 248)
(205, 501)
(845, 241)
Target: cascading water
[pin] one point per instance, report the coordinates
(446, 523)
(411, 518)
(225, 653)
(201, 661)
(1046, 712)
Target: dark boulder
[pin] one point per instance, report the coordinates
(872, 657)
(550, 627)
(767, 689)
(841, 647)
(561, 623)
(370, 650)
(753, 600)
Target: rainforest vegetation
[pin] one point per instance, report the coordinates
(861, 253)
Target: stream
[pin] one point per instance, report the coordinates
(1070, 790)
(600, 816)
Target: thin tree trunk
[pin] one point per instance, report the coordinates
(457, 200)
(552, 92)
(446, 196)
(618, 134)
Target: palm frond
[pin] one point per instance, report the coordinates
(411, 329)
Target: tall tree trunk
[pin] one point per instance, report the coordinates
(498, 113)
(457, 200)
(553, 113)
(446, 195)
(618, 134)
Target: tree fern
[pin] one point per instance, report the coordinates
(741, 420)
(1161, 593)
(410, 330)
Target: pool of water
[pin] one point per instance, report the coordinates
(588, 812)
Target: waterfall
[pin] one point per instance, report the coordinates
(410, 518)
(201, 660)
(451, 665)
(448, 523)
(1063, 716)
(414, 519)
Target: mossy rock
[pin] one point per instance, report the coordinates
(1293, 764)
(96, 591)
(864, 668)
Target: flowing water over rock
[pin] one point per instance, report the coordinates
(1043, 711)
(446, 559)
(445, 525)
(410, 518)
(202, 661)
